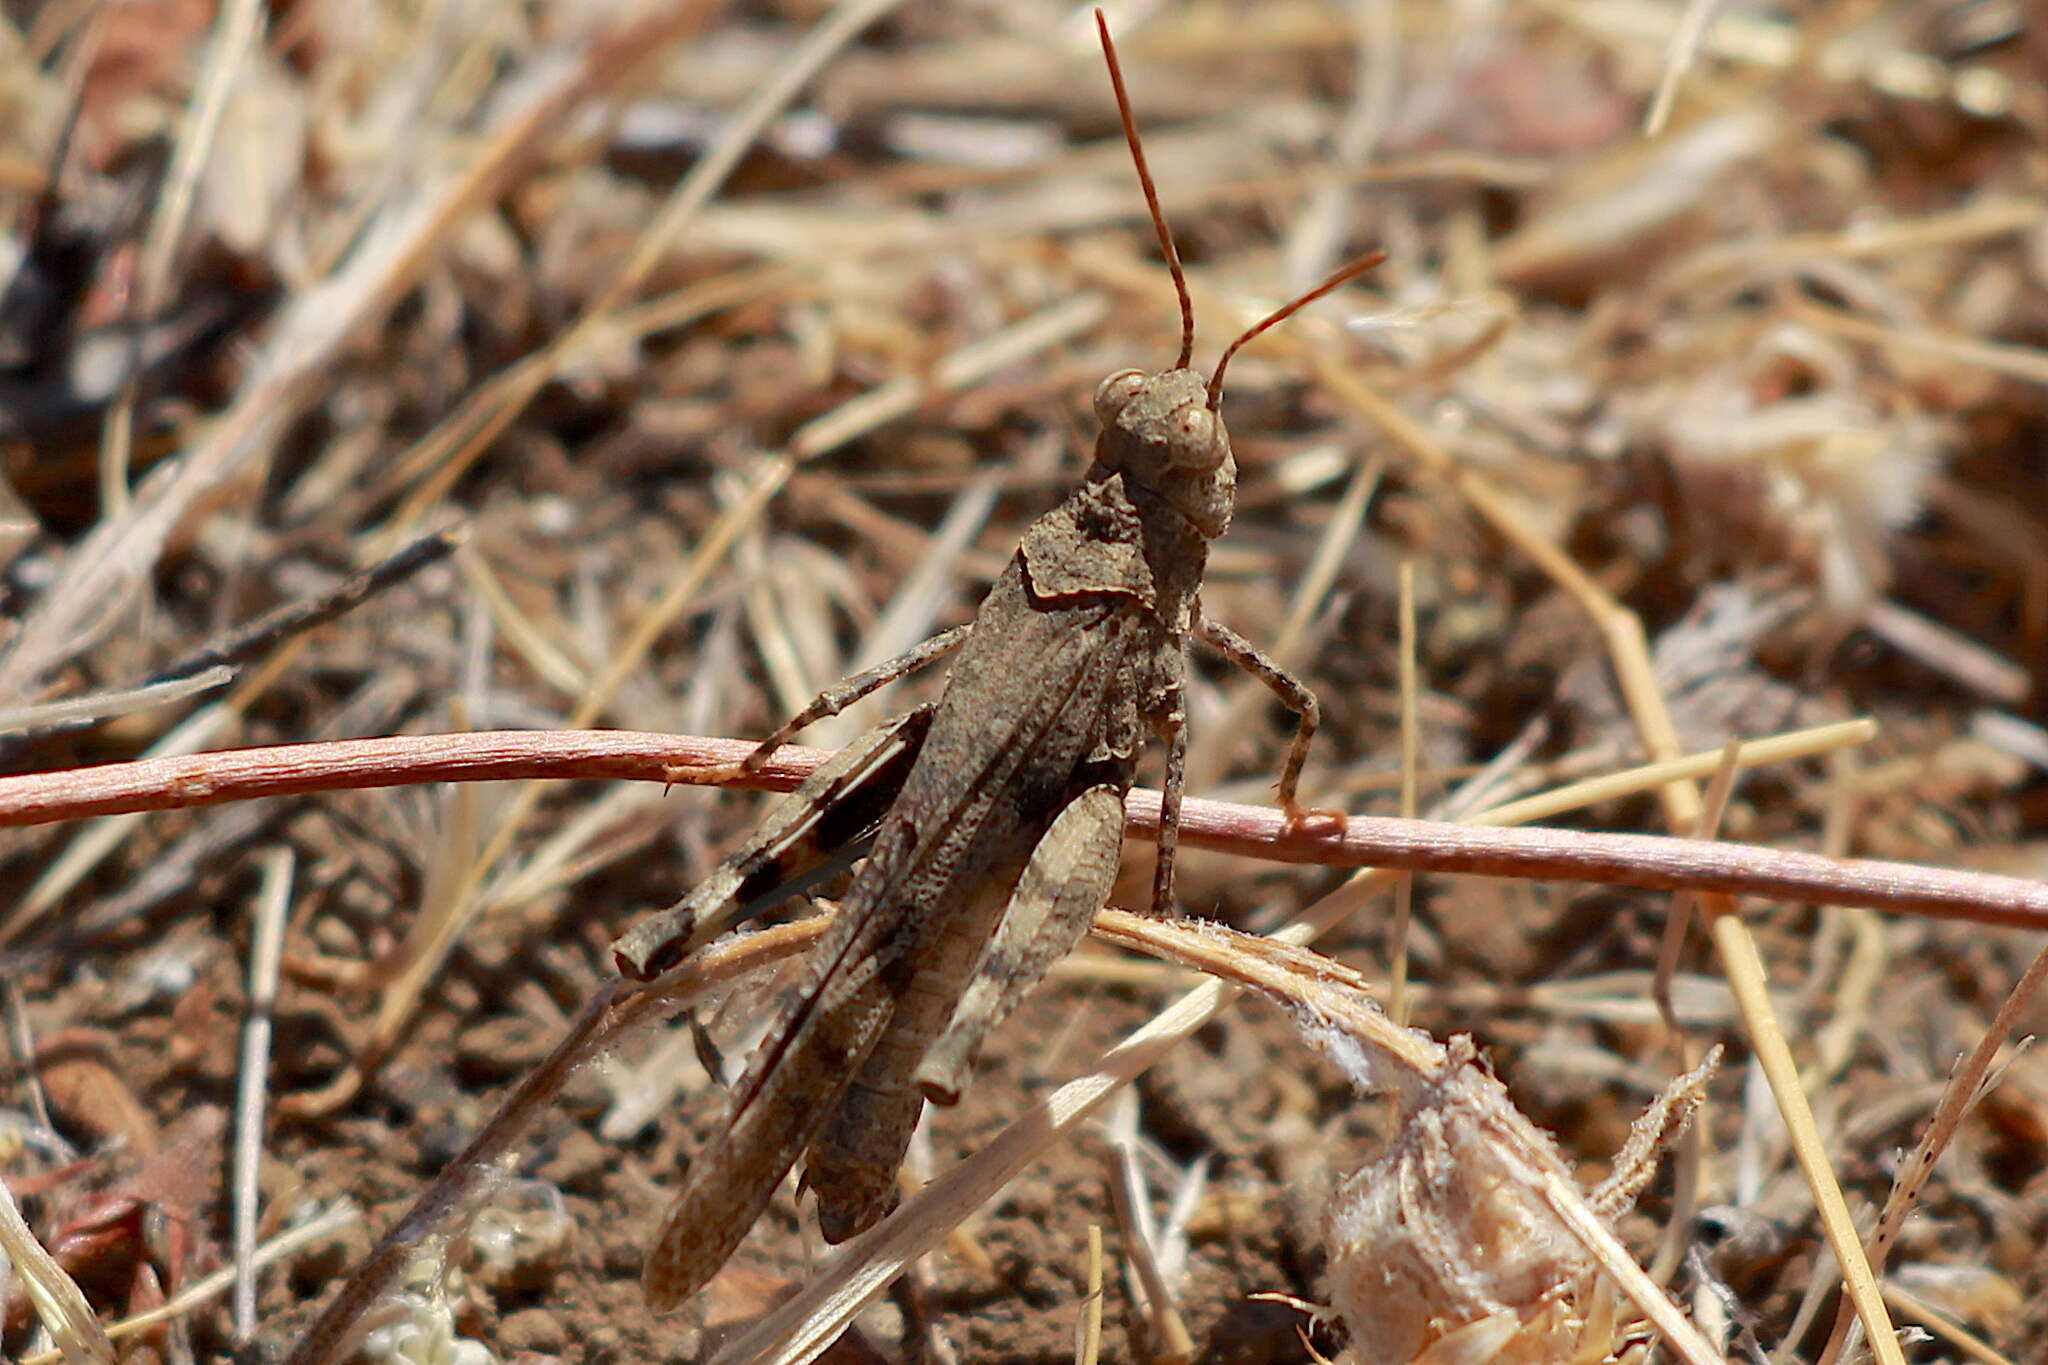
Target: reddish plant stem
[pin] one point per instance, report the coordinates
(1650, 861)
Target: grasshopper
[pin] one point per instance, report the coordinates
(996, 817)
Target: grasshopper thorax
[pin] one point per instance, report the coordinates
(1160, 432)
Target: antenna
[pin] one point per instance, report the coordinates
(1285, 311)
(1180, 279)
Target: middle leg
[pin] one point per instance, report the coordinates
(1292, 692)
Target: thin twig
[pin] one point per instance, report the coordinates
(1411, 756)
(252, 638)
(1679, 55)
(1088, 1331)
(273, 907)
(1652, 862)
(44, 719)
(1171, 1343)
(211, 665)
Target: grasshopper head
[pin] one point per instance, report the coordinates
(1161, 432)
(1164, 432)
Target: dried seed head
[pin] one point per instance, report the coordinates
(1444, 1246)
(1447, 1246)
(1466, 1242)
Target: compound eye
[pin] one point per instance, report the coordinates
(1114, 394)
(1199, 442)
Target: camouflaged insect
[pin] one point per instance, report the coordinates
(996, 817)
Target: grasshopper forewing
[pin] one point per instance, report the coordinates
(998, 816)
(805, 837)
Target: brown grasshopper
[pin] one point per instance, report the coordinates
(997, 815)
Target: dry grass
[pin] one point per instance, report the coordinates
(737, 345)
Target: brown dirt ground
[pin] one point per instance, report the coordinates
(1789, 448)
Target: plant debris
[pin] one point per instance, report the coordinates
(716, 351)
